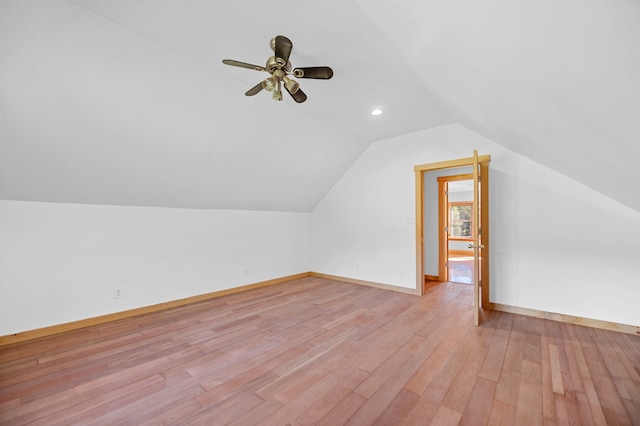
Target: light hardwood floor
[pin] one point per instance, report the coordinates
(316, 351)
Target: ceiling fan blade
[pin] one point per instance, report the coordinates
(283, 48)
(254, 90)
(299, 96)
(323, 73)
(243, 65)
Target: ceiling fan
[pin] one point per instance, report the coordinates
(281, 70)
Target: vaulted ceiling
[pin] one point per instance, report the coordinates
(127, 102)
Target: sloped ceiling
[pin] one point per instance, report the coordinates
(127, 102)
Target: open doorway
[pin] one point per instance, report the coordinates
(456, 224)
(479, 243)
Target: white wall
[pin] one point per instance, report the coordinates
(62, 262)
(556, 245)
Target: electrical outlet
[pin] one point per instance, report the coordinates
(246, 272)
(118, 293)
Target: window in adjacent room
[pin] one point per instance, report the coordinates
(461, 220)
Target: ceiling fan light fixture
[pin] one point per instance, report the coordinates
(277, 92)
(291, 85)
(269, 84)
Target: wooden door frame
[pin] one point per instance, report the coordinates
(420, 170)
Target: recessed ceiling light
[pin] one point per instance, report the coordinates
(376, 111)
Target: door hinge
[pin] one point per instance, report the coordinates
(479, 230)
(479, 283)
(446, 229)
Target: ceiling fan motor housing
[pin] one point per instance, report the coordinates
(274, 63)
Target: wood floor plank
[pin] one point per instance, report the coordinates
(562, 411)
(302, 401)
(495, 356)
(459, 392)
(162, 406)
(333, 397)
(90, 409)
(430, 368)
(532, 337)
(477, 410)
(611, 402)
(422, 413)
(171, 414)
(556, 372)
(377, 403)
(502, 414)
(234, 387)
(548, 398)
(253, 416)
(389, 368)
(225, 380)
(594, 403)
(320, 352)
(509, 379)
(225, 412)
(342, 412)
(633, 410)
(529, 406)
(445, 417)
(398, 410)
(584, 411)
(567, 345)
(305, 381)
(437, 389)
